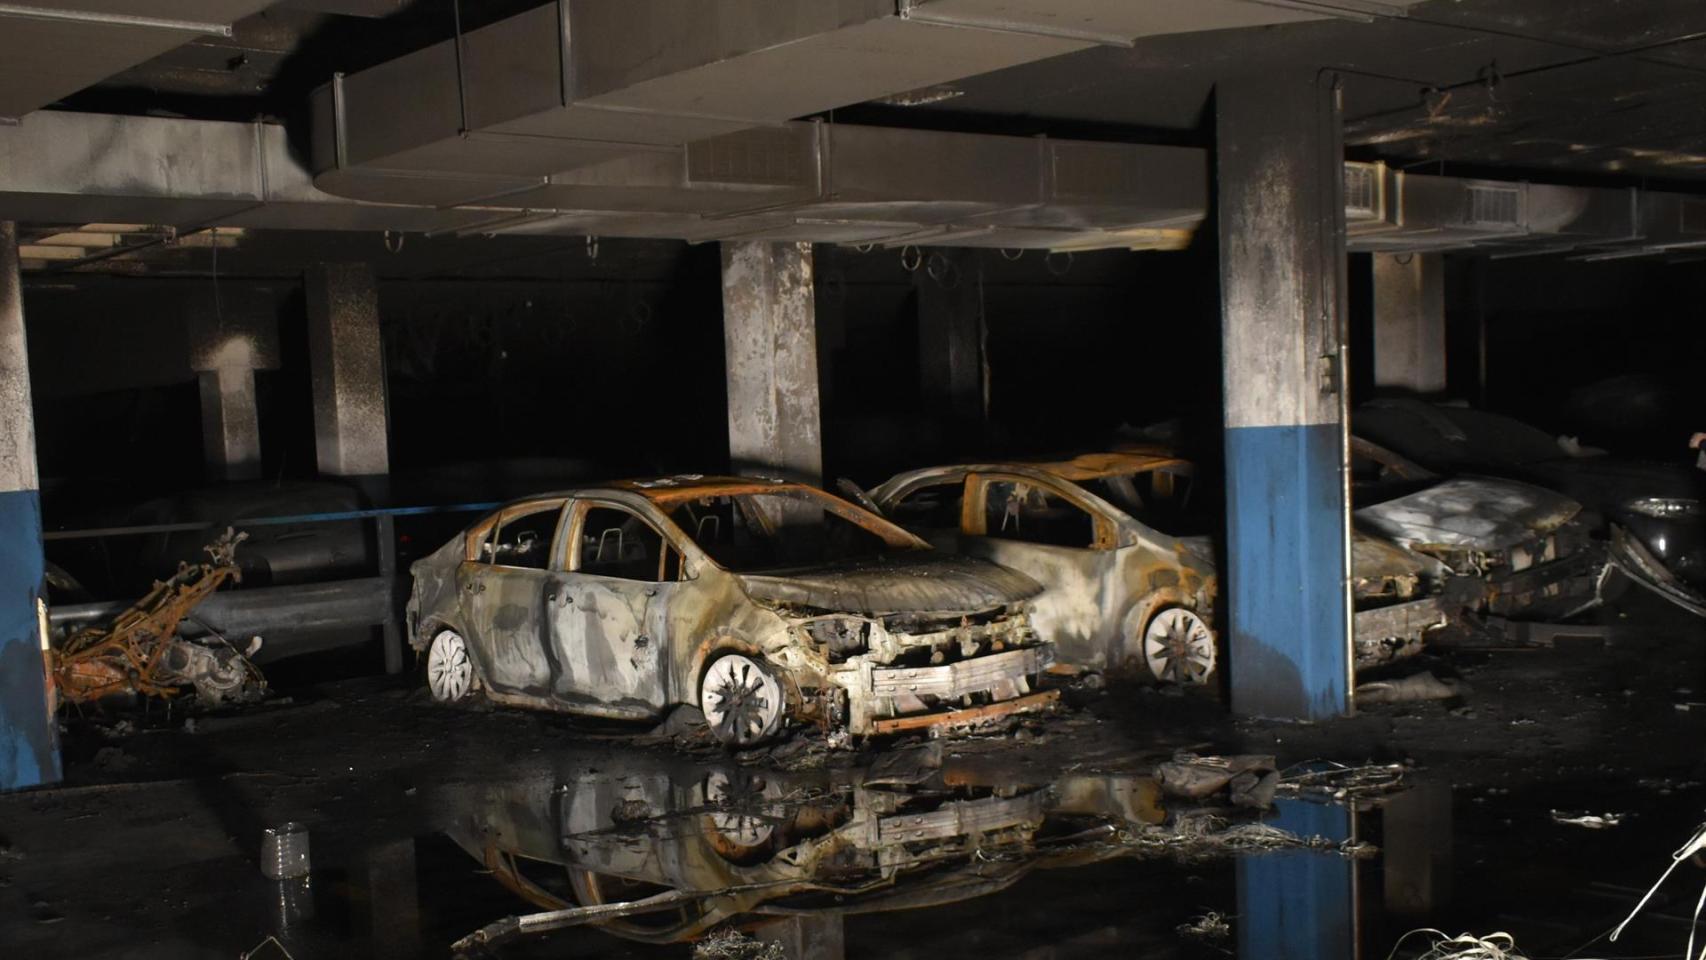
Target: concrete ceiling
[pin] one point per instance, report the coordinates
(1565, 88)
(1570, 87)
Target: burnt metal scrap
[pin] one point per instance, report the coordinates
(140, 651)
(762, 603)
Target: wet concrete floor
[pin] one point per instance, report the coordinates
(428, 824)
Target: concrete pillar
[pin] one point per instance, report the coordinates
(1409, 321)
(770, 343)
(29, 739)
(225, 353)
(1281, 212)
(950, 335)
(347, 363)
(346, 359)
(230, 425)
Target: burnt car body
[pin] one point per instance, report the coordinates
(1117, 592)
(758, 601)
(749, 848)
(1423, 552)
(1481, 545)
(1650, 515)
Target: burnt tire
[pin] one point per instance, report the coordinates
(742, 700)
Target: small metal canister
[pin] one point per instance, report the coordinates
(284, 851)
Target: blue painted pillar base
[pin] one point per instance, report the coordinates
(1288, 648)
(29, 736)
(1300, 904)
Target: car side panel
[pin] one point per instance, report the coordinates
(606, 639)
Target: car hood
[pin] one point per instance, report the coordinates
(923, 582)
(1469, 513)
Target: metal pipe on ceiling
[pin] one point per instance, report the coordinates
(19, 11)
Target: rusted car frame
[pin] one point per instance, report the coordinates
(1108, 594)
(628, 599)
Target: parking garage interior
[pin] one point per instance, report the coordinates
(760, 479)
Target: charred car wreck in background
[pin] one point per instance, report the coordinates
(760, 602)
(1428, 553)
(1424, 553)
(1117, 590)
(1649, 515)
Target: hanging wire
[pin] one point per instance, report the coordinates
(910, 258)
(389, 247)
(1015, 253)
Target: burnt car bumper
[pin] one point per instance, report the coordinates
(888, 699)
(1395, 631)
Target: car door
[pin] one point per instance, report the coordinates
(1045, 529)
(503, 590)
(608, 611)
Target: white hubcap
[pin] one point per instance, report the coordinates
(740, 829)
(1179, 647)
(449, 673)
(741, 700)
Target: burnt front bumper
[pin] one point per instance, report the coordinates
(888, 699)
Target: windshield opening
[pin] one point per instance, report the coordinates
(748, 533)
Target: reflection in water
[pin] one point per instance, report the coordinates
(663, 849)
(1297, 904)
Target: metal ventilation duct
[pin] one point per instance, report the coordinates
(579, 83)
(50, 49)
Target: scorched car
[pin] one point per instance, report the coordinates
(757, 601)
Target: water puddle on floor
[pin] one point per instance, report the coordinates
(923, 853)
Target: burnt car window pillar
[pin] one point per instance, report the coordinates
(1018, 509)
(524, 538)
(615, 542)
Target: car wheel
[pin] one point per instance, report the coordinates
(449, 672)
(738, 831)
(741, 699)
(1178, 647)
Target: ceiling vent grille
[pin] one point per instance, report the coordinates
(1493, 206)
(1362, 191)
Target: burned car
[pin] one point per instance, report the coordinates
(1427, 550)
(1650, 515)
(1118, 591)
(759, 602)
(1423, 552)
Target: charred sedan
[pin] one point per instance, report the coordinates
(1118, 590)
(760, 602)
(1649, 514)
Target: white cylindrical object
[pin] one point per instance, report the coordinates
(284, 851)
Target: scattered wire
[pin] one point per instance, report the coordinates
(1464, 946)
(1695, 844)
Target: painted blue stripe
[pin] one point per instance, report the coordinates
(29, 738)
(1300, 904)
(1288, 649)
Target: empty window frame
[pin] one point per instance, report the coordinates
(617, 543)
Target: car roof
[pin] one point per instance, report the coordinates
(667, 491)
(1085, 466)
(1092, 466)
